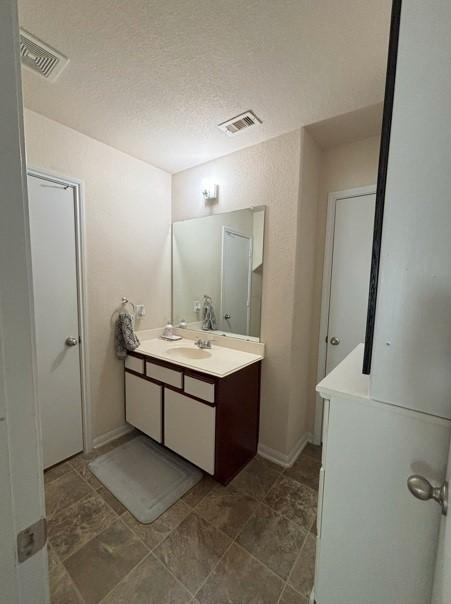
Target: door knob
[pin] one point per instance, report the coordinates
(422, 489)
(71, 341)
(227, 316)
(334, 341)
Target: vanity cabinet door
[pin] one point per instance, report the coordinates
(143, 405)
(189, 429)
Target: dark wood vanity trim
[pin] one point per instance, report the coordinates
(195, 398)
(381, 182)
(237, 415)
(237, 421)
(201, 376)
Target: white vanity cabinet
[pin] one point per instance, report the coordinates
(182, 414)
(211, 421)
(144, 405)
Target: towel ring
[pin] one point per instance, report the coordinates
(127, 301)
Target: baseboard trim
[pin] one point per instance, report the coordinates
(107, 437)
(283, 459)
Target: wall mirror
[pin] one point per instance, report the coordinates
(217, 272)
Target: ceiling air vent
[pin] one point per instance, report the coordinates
(239, 123)
(41, 58)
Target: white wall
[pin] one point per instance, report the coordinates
(128, 216)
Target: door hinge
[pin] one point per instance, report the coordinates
(31, 540)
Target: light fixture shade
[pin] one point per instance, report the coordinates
(209, 191)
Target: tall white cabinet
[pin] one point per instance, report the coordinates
(376, 543)
(370, 527)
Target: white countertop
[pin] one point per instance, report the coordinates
(221, 361)
(347, 378)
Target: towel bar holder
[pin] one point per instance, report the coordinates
(125, 301)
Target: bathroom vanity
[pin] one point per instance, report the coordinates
(204, 405)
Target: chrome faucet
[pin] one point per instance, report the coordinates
(203, 343)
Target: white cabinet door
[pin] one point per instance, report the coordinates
(143, 405)
(378, 543)
(189, 429)
(442, 579)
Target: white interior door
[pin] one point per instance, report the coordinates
(21, 480)
(54, 266)
(351, 263)
(442, 578)
(236, 281)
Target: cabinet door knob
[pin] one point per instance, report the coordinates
(422, 489)
(334, 341)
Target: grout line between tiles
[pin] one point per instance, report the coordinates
(149, 553)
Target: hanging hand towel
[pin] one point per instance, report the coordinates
(124, 335)
(208, 314)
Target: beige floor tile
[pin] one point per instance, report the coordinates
(290, 596)
(153, 534)
(112, 501)
(256, 478)
(191, 550)
(149, 583)
(227, 508)
(306, 470)
(56, 471)
(314, 451)
(76, 525)
(64, 491)
(304, 570)
(199, 491)
(294, 500)
(273, 539)
(239, 579)
(80, 465)
(100, 564)
(62, 589)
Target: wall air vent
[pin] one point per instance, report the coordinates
(41, 58)
(239, 123)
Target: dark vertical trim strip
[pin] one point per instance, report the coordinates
(381, 181)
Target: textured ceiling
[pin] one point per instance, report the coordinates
(154, 78)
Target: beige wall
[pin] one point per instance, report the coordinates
(265, 174)
(342, 167)
(302, 363)
(128, 215)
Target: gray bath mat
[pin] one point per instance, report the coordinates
(145, 477)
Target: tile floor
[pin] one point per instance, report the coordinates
(251, 542)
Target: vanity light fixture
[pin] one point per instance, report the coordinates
(209, 191)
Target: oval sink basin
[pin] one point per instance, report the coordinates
(188, 353)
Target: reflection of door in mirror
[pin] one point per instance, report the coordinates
(236, 271)
(226, 268)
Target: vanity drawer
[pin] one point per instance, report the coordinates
(134, 364)
(189, 429)
(200, 388)
(165, 375)
(143, 405)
